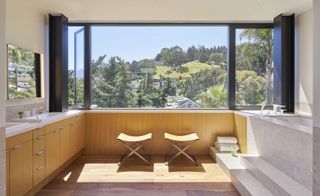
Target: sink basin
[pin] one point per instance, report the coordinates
(37, 118)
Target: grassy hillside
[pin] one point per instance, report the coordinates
(190, 68)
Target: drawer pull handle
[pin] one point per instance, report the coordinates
(40, 152)
(40, 137)
(40, 168)
(17, 146)
(55, 131)
(61, 128)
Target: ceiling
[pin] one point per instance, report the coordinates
(170, 10)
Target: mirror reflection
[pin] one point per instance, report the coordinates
(23, 73)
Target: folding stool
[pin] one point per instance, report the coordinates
(178, 143)
(133, 144)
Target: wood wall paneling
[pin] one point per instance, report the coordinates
(240, 131)
(103, 128)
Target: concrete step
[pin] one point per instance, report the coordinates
(244, 182)
(272, 178)
(248, 185)
(225, 160)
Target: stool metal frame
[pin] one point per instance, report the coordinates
(133, 144)
(177, 143)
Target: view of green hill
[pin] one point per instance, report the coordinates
(189, 68)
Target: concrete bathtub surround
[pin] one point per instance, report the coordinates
(280, 158)
(286, 148)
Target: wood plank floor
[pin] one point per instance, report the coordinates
(102, 176)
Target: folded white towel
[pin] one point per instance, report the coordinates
(226, 147)
(227, 140)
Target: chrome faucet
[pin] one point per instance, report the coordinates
(278, 109)
(262, 107)
(34, 109)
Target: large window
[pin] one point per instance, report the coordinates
(159, 66)
(176, 66)
(254, 66)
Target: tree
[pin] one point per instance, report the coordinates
(192, 53)
(122, 89)
(141, 98)
(75, 92)
(174, 56)
(216, 58)
(199, 82)
(260, 48)
(134, 67)
(250, 88)
(214, 97)
(111, 83)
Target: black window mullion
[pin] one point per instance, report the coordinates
(87, 66)
(231, 70)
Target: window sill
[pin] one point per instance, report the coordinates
(158, 111)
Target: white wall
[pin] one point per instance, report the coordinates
(171, 10)
(2, 95)
(27, 28)
(304, 62)
(316, 97)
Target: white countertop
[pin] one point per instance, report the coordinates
(24, 127)
(21, 127)
(277, 119)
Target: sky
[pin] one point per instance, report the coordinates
(137, 43)
(141, 42)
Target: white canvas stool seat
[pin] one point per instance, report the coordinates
(177, 142)
(133, 144)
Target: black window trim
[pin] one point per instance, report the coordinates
(230, 67)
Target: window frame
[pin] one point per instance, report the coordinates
(231, 56)
(232, 38)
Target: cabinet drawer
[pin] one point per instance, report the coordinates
(37, 132)
(19, 139)
(38, 152)
(56, 126)
(65, 122)
(38, 145)
(39, 161)
(52, 128)
(39, 173)
(77, 118)
(20, 169)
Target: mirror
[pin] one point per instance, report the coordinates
(23, 76)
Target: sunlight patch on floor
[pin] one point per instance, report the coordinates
(157, 172)
(66, 178)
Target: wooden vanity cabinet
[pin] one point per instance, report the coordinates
(52, 144)
(77, 133)
(7, 171)
(34, 155)
(64, 146)
(20, 163)
(39, 152)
